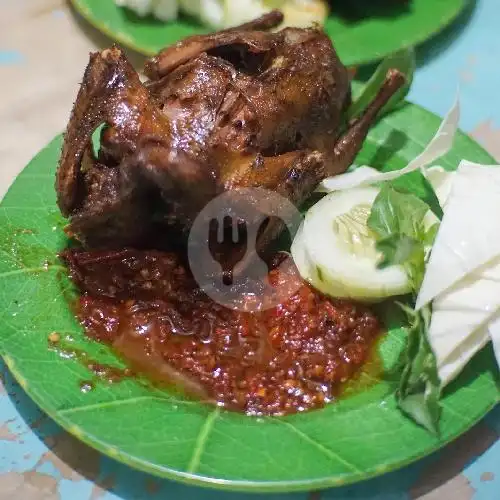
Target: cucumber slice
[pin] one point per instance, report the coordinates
(340, 256)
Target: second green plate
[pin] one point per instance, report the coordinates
(358, 41)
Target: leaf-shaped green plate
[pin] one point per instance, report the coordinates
(358, 41)
(361, 436)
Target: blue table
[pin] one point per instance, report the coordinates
(39, 461)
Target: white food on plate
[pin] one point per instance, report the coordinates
(140, 7)
(304, 13)
(165, 10)
(335, 250)
(218, 14)
(209, 12)
(242, 11)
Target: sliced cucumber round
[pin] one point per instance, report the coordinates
(336, 251)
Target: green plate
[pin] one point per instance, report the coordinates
(361, 436)
(358, 41)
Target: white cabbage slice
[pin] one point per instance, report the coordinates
(462, 278)
(441, 180)
(469, 234)
(460, 318)
(349, 180)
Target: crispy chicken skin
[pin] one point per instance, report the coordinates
(242, 107)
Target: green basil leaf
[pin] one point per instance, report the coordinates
(397, 219)
(415, 183)
(397, 249)
(395, 213)
(404, 251)
(419, 390)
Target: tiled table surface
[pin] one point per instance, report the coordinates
(43, 50)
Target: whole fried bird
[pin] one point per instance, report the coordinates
(243, 107)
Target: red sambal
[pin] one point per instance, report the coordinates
(291, 358)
